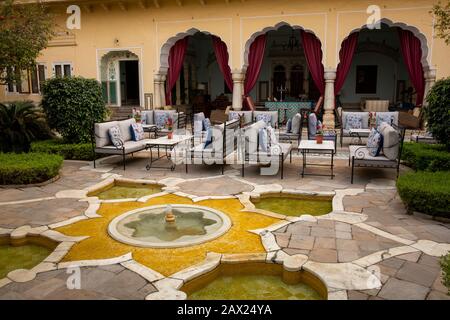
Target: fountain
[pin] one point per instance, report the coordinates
(169, 226)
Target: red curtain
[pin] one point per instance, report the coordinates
(176, 59)
(346, 53)
(220, 49)
(255, 60)
(313, 54)
(412, 56)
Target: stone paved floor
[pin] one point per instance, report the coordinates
(410, 276)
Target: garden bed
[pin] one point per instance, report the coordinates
(426, 192)
(429, 157)
(69, 151)
(26, 168)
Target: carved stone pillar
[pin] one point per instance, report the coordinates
(430, 79)
(328, 117)
(157, 83)
(162, 89)
(238, 88)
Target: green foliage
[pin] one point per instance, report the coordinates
(72, 106)
(445, 265)
(426, 192)
(70, 151)
(24, 32)
(20, 123)
(437, 113)
(442, 24)
(26, 168)
(429, 157)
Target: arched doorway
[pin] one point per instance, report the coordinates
(287, 64)
(119, 73)
(387, 64)
(204, 76)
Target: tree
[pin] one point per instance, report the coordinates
(24, 32)
(72, 105)
(21, 122)
(437, 113)
(442, 25)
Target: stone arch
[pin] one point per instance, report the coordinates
(422, 38)
(274, 28)
(165, 49)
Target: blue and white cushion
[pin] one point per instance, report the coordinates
(161, 119)
(116, 136)
(374, 143)
(312, 124)
(266, 117)
(137, 131)
(388, 118)
(233, 115)
(208, 140)
(206, 124)
(263, 140)
(289, 126)
(354, 121)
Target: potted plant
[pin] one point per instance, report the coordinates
(137, 115)
(319, 133)
(169, 125)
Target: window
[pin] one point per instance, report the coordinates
(62, 70)
(30, 81)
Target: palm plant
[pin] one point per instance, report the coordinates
(21, 122)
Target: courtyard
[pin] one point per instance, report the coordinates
(366, 247)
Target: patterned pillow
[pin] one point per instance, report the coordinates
(263, 140)
(266, 117)
(137, 132)
(206, 124)
(296, 123)
(271, 136)
(233, 115)
(160, 119)
(312, 124)
(388, 118)
(353, 121)
(374, 143)
(198, 126)
(116, 136)
(289, 126)
(208, 140)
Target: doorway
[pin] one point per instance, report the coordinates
(129, 82)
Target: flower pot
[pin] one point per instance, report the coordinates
(170, 135)
(319, 139)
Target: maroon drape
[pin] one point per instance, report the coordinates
(176, 59)
(255, 60)
(345, 60)
(221, 51)
(412, 56)
(313, 54)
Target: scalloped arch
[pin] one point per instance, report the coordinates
(404, 26)
(165, 49)
(274, 28)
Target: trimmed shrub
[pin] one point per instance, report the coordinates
(69, 151)
(422, 156)
(426, 192)
(26, 168)
(72, 105)
(437, 113)
(20, 123)
(445, 265)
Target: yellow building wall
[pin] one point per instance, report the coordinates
(144, 31)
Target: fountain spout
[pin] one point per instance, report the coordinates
(170, 217)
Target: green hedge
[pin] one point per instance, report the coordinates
(70, 151)
(427, 192)
(445, 265)
(429, 157)
(26, 168)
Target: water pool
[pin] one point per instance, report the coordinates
(294, 205)
(120, 190)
